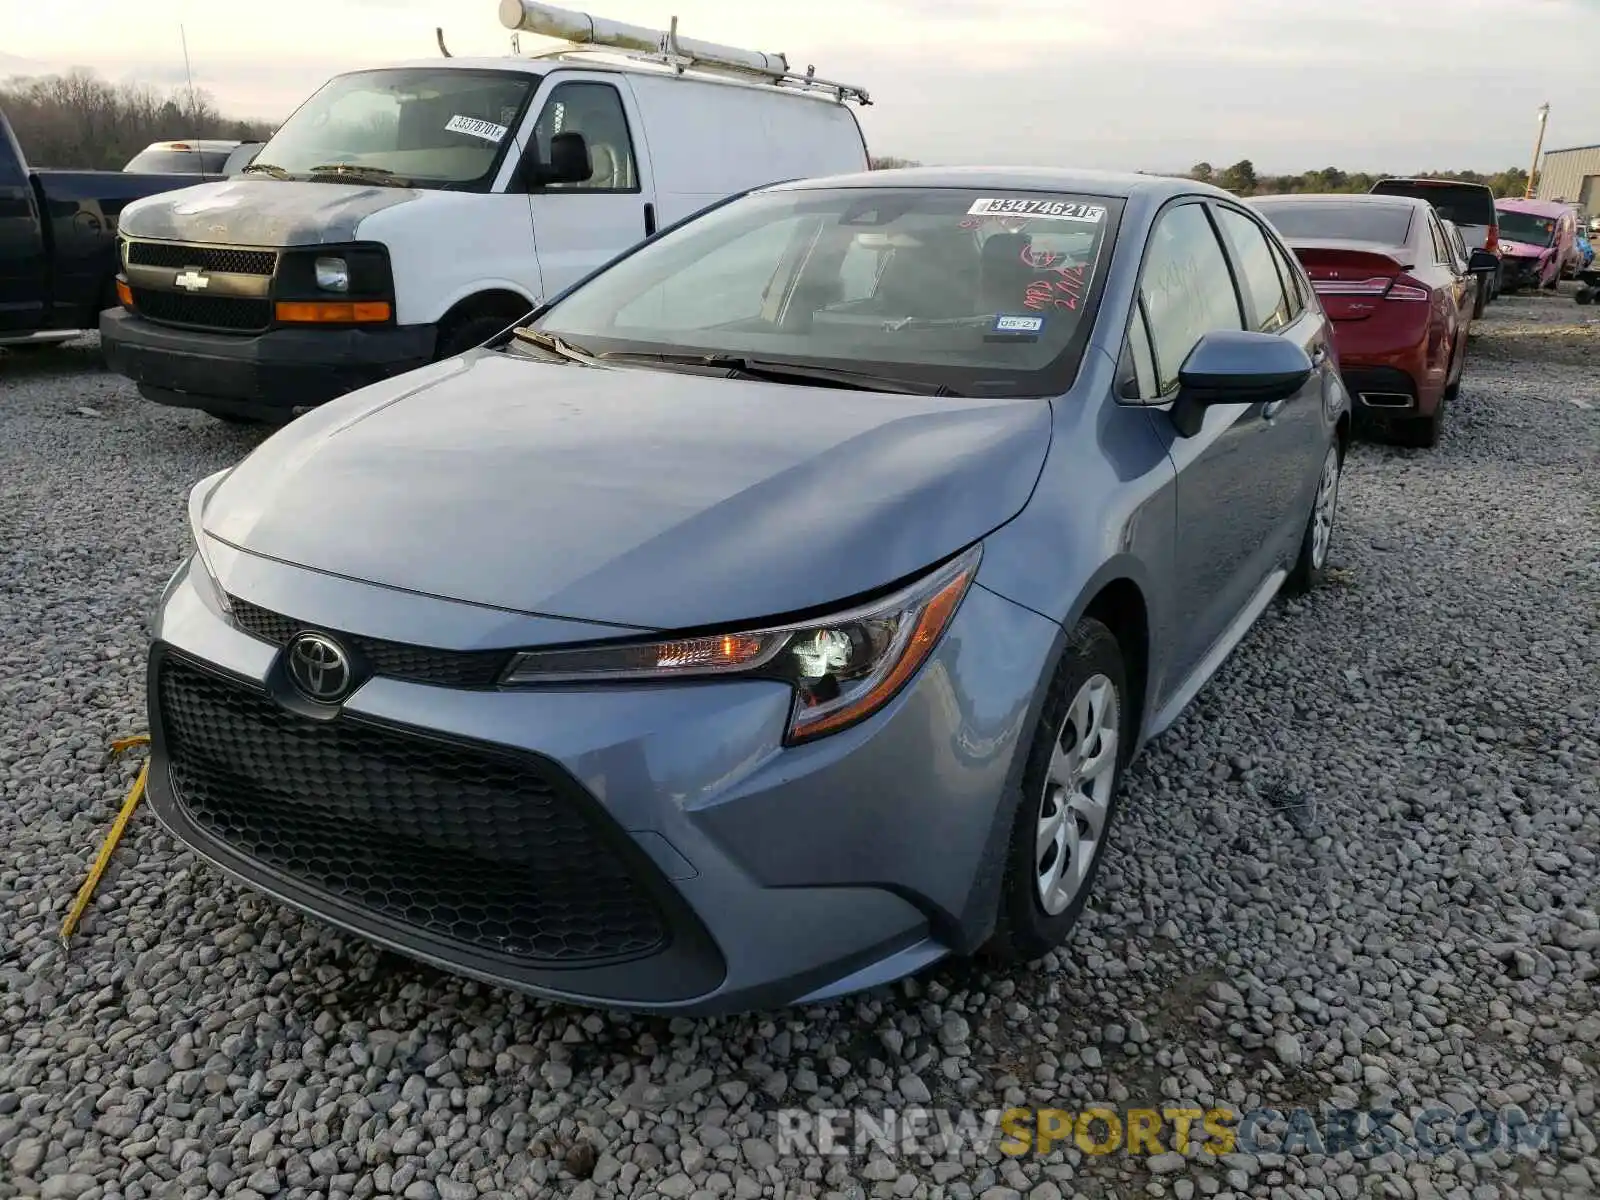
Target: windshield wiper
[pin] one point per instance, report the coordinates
(272, 169)
(378, 175)
(553, 344)
(775, 371)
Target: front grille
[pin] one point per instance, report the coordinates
(233, 313)
(396, 660)
(487, 849)
(207, 258)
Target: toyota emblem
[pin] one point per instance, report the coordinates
(320, 668)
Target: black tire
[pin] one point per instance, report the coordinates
(1024, 930)
(1480, 300)
(1311, 564)
(1421, 433)
(1584, 295)
(470, 330)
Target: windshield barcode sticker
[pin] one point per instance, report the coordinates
(1050, 210)
(476, 127)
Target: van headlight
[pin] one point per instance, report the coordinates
(842, 668)
(333, 274)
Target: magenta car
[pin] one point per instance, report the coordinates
(1537, 237)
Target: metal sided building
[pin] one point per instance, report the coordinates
(1572, 175)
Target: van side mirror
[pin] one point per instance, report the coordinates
(1483, 260)
(1237, 367)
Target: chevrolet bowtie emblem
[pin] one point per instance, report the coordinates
(191, 279)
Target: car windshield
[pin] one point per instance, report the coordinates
(1527, 227)
(978, 292)
(1358, 220)
(425, 126)
(1463, 203)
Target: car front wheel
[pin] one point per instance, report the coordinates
(1069, 797)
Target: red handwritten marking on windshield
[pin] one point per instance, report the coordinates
(1065, 291)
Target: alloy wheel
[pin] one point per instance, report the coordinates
(1323, 511)
(1078, 785)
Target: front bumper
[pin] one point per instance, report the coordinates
(268, 376)
(1523, 272)
(778, 875)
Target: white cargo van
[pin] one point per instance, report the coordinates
(406, 214)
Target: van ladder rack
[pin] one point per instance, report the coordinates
(588, 34)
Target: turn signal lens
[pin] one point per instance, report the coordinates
(317, 312)
(124, 294)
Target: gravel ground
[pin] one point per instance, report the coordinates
(1362, 871)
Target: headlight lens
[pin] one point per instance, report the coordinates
(843, 669)
(198, 495)
(333, 274)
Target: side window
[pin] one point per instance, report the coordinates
(1294, 288)
(1141, 359)
(594, 110)
(1441, 253)
(1258, 272)
(1186, 288)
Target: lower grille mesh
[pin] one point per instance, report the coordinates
(471, 846)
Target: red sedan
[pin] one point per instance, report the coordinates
(1399, 298)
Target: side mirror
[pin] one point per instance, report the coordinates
(1232, 367)
(1483, 260)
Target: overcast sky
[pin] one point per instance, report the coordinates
(1392, 85)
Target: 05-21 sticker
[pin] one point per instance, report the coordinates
(1049, 210)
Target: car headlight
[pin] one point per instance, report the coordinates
(843, 668)
(333, 274)
(198, 495)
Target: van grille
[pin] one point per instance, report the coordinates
(224, 259)
(234, 314)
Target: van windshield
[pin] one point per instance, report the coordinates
(435, 127)
(979, 293)
(1527, 228)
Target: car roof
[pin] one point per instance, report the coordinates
(1123, 185)
(1538, 208)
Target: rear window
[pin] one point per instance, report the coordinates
(1357, 221)
(1463, 203)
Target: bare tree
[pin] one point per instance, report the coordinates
(80, 120)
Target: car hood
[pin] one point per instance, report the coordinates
(260, 211)
(645, 498)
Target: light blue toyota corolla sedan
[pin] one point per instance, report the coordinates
(775, 612)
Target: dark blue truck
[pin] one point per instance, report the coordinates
(58, 244)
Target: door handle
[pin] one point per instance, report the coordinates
(1319, 356)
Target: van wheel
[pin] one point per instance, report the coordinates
(469, 330)
(1069, 798)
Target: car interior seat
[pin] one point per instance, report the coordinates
(936, 279)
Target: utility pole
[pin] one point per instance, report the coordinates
(1544, 117)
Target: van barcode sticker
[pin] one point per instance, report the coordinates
(1051, 210)
(476, 127)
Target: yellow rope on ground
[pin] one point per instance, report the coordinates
(85, 893)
